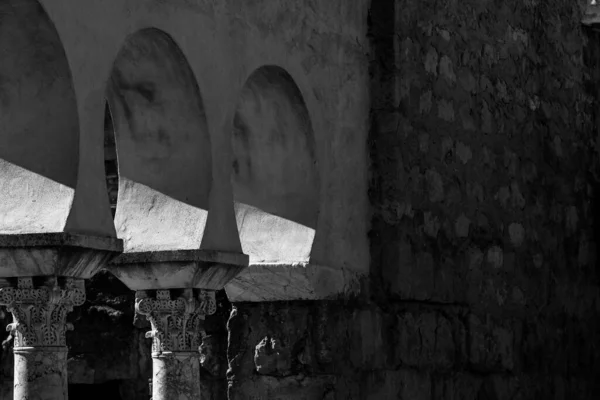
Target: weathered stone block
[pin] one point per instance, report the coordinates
(297, 387)
(402, 384)
(458, 386)
(491, 346)
(369, 348)
(413, 276)
(426, 340)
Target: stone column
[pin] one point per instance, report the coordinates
(176, 317)
(39, 329)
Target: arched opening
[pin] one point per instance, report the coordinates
(162, 145)
(39, 134)
(111, 163)
(275, 179)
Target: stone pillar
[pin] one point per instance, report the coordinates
(39, 329)
(176, 317)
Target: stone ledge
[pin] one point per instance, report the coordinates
(222, 257)
(55, 254)
(61, 239)
(298, 281)
(178, 269)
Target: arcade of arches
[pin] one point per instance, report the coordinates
(314, 199)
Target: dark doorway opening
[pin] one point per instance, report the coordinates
(111, 165)
(103, 391)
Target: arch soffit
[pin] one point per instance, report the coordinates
(302, 83)
(51, 204)
(175, 46)
(135, 29)
(313, 282)
(179, 211)
(198, 69)
(59, 30)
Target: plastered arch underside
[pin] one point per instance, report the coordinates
(163, 146)
(275, 178)
(39, 136)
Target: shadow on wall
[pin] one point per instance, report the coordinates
(275, 178)
(39, 134)
(162, 143)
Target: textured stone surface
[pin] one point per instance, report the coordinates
(298, 281)
(206, 269)
(50, 254)
(484, 177)
(176, 376)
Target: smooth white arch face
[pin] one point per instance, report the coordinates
(39, 129)
(275, 179)
(163, 146)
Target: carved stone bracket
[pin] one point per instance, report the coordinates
(176, 323)
(40, 313)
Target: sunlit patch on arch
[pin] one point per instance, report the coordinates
(162, 143)
(39, 130)
(275, 178)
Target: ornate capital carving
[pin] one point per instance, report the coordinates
(40, 313)
(176, 322)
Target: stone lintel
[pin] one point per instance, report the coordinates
(200, 269)
(55, 254)
(61, 239)
(221, 257)
(287, 282)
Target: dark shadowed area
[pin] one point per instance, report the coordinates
(37, 101)
(158, 116)
(274, 151)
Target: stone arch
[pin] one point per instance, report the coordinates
(163, 145)
(275, 178)
(39, 133)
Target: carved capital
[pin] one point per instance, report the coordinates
(176, 317)
(40, 313)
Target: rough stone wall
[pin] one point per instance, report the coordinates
(484, 182)
(484, 282)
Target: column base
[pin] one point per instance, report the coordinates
(40, 373)
(176, 375)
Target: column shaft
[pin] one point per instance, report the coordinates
(40, 373)
(176, 376)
